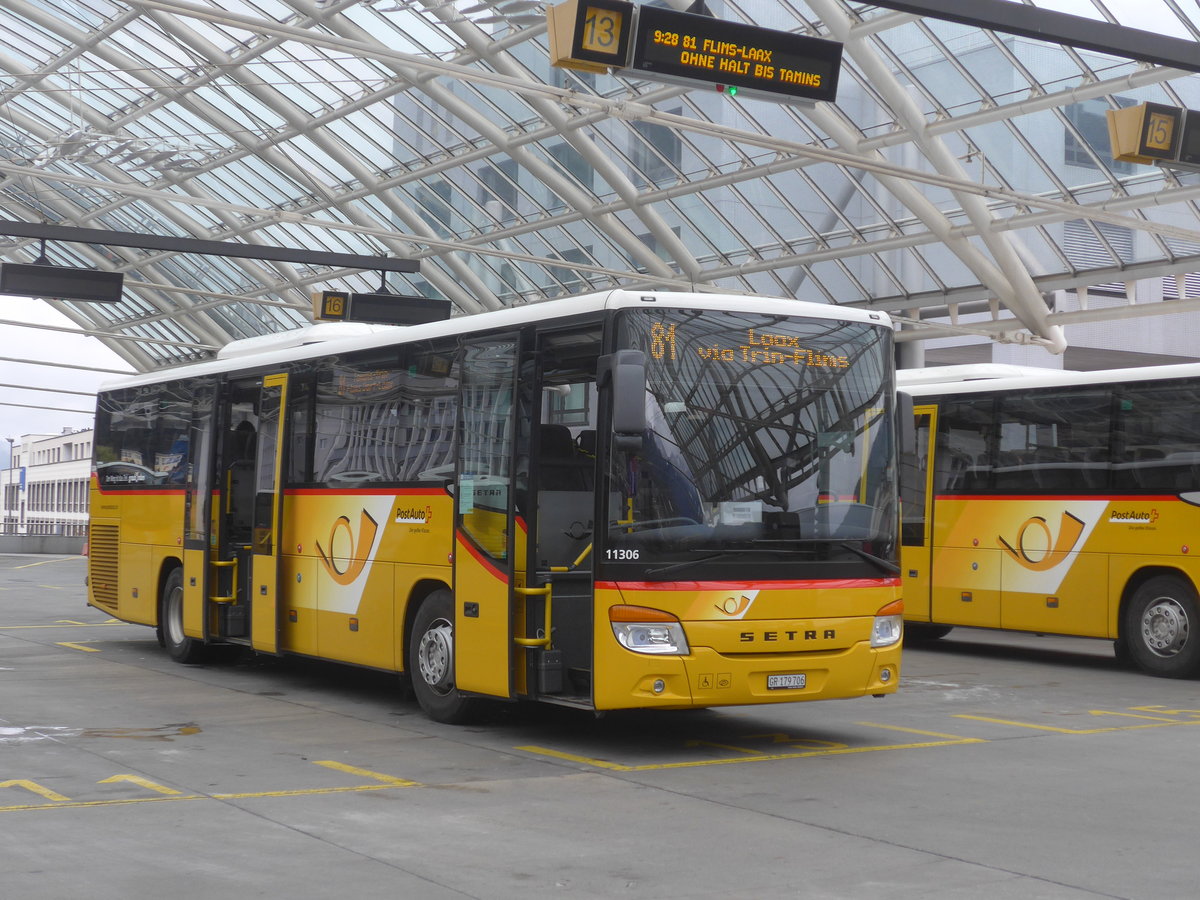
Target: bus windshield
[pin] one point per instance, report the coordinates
(768, 450)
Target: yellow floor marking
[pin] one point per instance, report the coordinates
(1153, 723)
(937, 734)
(365, 773)
(1163, 711)
(84, 804)
(782, 737)
(1050, 728)
(1130, 715)
(143, 782)
(390, 783)
(35, 788)
(571, 757)
(47, 562)
(251, 795)
(305, 792)
(762, 757)
(74, 646)
(721, 747)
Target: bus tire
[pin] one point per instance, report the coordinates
(431, 661)
(1161, 627)
(180, 647)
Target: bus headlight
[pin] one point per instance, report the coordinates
(645, 630)
(889, 625)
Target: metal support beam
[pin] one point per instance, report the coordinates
(48, 390)
(100, 236)
(60, 365)
(1057, 28)
(82, 412)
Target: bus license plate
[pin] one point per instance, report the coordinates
(785, 682)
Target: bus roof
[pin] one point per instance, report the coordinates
(1031, 377)
(321, 340)
(966, 372)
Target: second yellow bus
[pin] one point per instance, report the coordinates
(1058, 502)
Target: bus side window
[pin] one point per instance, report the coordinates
(962, 463)
(1158, 425)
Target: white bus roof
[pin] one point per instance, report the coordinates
(965, 372)
(299, 337)
(309, 343)
(1032, 378)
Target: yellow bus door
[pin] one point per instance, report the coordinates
(485, 542)
(917, 509)
(200, 535)
(268, 515)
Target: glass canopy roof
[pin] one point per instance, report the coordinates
(961, 175)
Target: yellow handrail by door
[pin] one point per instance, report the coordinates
(536, 592)
(226, 564)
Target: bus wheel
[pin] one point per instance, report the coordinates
(431, 661)
(181, 648)
(1160, 628)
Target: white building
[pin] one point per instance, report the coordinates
(45, 487)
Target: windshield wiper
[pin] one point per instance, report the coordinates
(886, 564)
(662, 570)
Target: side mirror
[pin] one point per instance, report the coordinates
(625, 373)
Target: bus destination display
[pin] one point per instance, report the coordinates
(674, 46)
(758, 348)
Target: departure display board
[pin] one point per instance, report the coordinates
(378, 309)
(1189, 140)
(679, 46)
(685, 48)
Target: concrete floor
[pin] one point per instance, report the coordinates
(1006, 767)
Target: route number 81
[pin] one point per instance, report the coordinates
(662, 341)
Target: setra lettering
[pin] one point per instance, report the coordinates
(777, 637)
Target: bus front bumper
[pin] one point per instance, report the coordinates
(706, 678)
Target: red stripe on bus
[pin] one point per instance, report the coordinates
(1104, 498)
(806, 585)
(143, 492)
(480, 556)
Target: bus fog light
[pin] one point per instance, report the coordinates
(659, 685)
(885, 675)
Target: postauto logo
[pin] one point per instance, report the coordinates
(344, 568)
(1037, 548)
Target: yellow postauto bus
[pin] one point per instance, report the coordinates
(622, 500)
(1060, 503)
